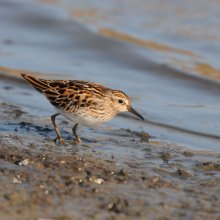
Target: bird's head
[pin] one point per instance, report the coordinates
(121, 103)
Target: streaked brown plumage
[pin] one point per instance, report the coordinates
(83, 102)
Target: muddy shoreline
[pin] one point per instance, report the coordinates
(43, 179)
(52, 44)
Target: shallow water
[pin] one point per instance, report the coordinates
(59, 41)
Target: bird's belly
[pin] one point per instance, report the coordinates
(83, 119)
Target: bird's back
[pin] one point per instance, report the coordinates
(67, 94)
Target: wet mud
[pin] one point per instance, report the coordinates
(41, 179)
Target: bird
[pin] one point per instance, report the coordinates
(83, 102)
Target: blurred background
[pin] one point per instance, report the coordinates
(163, 53)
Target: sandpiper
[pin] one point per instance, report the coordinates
(85, 103)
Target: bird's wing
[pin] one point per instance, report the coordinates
(67, 94)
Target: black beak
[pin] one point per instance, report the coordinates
(130, 109)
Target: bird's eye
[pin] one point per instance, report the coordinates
(120, 101)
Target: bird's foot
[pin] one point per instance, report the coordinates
(61, 141)
(79, 140)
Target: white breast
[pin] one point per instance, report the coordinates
(83, 118)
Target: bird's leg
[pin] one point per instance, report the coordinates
(74, 132)
(56, 129)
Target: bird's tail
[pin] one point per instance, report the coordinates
(39, 84)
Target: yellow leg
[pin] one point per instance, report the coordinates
(74, 132)
(56, 129)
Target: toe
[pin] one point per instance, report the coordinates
(61, 140)
(79, 140)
